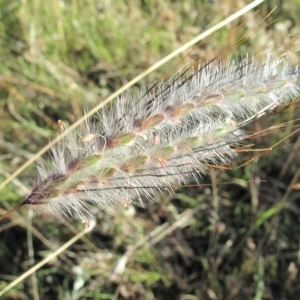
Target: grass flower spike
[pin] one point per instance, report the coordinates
(141, 145)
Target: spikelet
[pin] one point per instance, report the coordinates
(142, 145)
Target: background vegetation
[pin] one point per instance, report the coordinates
(235, 238)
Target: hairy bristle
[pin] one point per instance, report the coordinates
(141, 145)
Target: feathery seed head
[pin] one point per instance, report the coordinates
(158, 140)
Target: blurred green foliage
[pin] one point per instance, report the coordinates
(236, 238)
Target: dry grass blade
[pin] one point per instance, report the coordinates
(48, 258)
